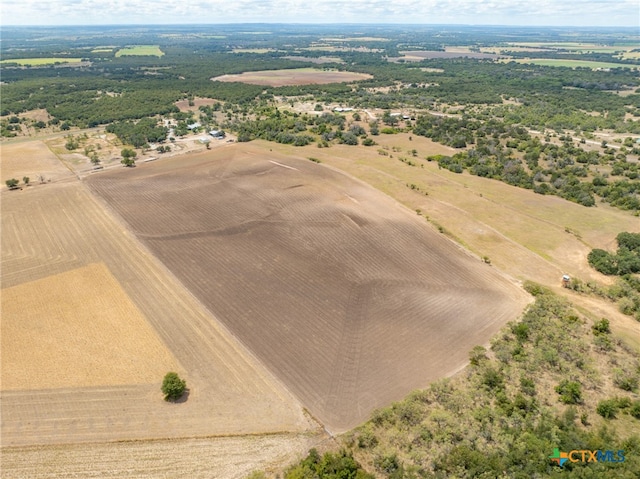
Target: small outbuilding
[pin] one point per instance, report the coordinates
(219, 134)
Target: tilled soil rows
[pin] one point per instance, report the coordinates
(349, 298)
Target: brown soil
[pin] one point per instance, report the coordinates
(293, 77)
(350, 299)
(326, 281)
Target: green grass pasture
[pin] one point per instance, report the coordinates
(140, 50)
(34, 62)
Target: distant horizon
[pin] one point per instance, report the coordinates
(331, 24)
(494, 13)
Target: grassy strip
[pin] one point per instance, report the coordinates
(33, 62)
(552, 62)
(140, 50)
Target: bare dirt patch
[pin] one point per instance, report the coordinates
(350, 299)
(489, 217)
(77, 329)
(318, 60)
(37, 115)
(31, 158)
(299, 76)
(184, 106)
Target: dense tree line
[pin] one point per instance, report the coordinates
(557, 96)
(139, 133)
(340, 465)
(626, 260)
(189, 64)
(489, 133)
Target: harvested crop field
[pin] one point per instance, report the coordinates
(108, 320)
(317, 60)
(297, 76)
(32, 159)
(419, 55)
(87, 332)
(349, 298)
(193, 458)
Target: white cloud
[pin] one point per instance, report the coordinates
(514, 12)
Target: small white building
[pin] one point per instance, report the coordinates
(193, 126)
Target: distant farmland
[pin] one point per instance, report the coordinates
(35, 62)
(140, 50)
(419, 55)
(556, 62)
(351, 300)
(297, 76)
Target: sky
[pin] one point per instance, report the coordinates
(473, 12)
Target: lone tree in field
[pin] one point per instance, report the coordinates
(173, 387)
(128, 157)
(12, 184)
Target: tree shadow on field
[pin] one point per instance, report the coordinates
(182, 399)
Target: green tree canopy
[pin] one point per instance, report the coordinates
(12, 183)
(173, 387)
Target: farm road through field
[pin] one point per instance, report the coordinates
(351, 300)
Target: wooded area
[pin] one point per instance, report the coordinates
(488, 109)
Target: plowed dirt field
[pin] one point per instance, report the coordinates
(349, 298)
(91, 321)
(296, 76)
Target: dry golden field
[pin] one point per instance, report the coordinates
(419, 55)
(59, 229)
(232, 457)
(77, 329)
(31, 158)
